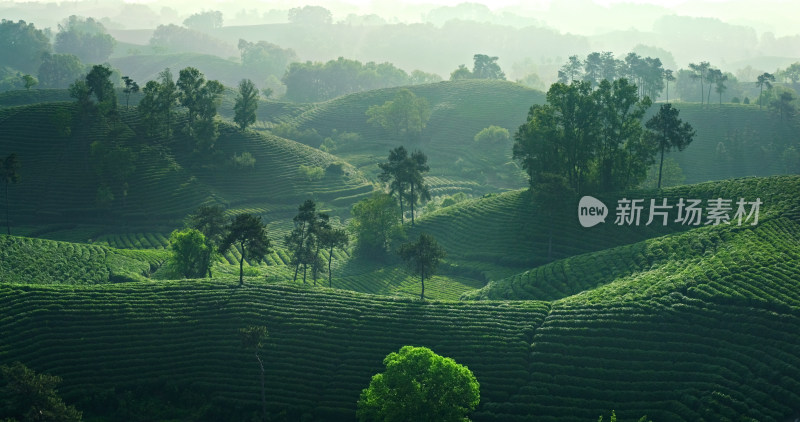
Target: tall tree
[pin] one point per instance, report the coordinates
(304, 240)
(9, 173)
(712, 76)
(29, 81)
(764, 79)
(416, 165)
(669, 77)
(331, 238)
(250, 234)
(486, 67)
(253, 338)
(592, 68)
(395, 173)
(784, 104)
(571, 70)
(423, 256)
(246, 104)
(99, 82)
(669, 132)
(699, 73)
(131, 87)
(209, 220)
(33, 397)
(419, 385)
(720, 86)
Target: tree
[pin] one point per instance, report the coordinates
(9, 174)
(461, 73)
(210, 221)
(571, 70)
(29, 81)
(669, 132)
(60, 70)
(551, 194)
(85, 38)
(211, 19)
(699, 72)
(29, 396)
(301, 240)
(486, 67)
(131, 87)
(310, 15)
(22, 45)
(417, 165)
(764, 79)
(99, 82)
(253, 338)
(191, 253)
(201, 99)
(246, 104)
(783, 104)
(712, 77)
(669, 77)
(374, 224)
(264, 58)
(395, 173)
(157, 105)
(113, 163)
(405, 116)
(720, 88)
(419, 385)
(331, 238)
(592, 68)
(423, 257)
(250, 234)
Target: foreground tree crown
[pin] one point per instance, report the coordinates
(419, 385)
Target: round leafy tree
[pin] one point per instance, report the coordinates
(419, 385)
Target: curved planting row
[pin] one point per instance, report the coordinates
(323, 348)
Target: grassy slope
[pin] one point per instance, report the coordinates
(698, 337)
(658, 255)
(59, 185)
(459, 110)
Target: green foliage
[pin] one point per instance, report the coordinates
(85, 38)
(244, 160)
(263, 58)
(423, 257)
(462, 72)
(419, 385)
(288, 131)
(405, 116)
(246, 104)
(201, 99)
(591, 137)
(486, 67)
(304, 242)
(191, 253)
(492, 136)
(113, 164)
(211, 19)
(22, 45)
(308, 82)
(33, 397)
(310, 15)
(248, 233)
(311, 173)
(98, 80)
(374, 224)
(669, 132)
(131, 87)
(29, 81)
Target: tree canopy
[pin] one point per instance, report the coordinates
(28, 396)
(419, 385)
(86, 38)
(22, 45)
(246, 104)
(250, 234)
(669, 132)
(404, 116)
(375, 224)
(191, 253)
(423, 256)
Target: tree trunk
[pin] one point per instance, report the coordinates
(661, 166)
(400, 196)
(422, 278)
(241, 267)
(263, 389)
(330, 258)
(412, 205)
(296, 268)
(304, 272)
(8, 222)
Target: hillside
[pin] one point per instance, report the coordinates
(146, 67)
(459, 110)
(657, 257)
(59, 183)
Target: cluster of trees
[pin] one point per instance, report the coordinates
(647, 73)
(263, 59)
(85, 38)
(404, 175)
(593, 139)
(484, 67)
(309, 82)
(313, 234)
(404, 116)
(97, 84)
(211, 19)
(28, 396)
(179, 39)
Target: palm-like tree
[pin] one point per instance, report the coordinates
(9, 173)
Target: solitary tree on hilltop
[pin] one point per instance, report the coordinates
(250, 234)
(669, 132)
(9, 172)
(486, 67)
(190, 253)
(423, 257)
